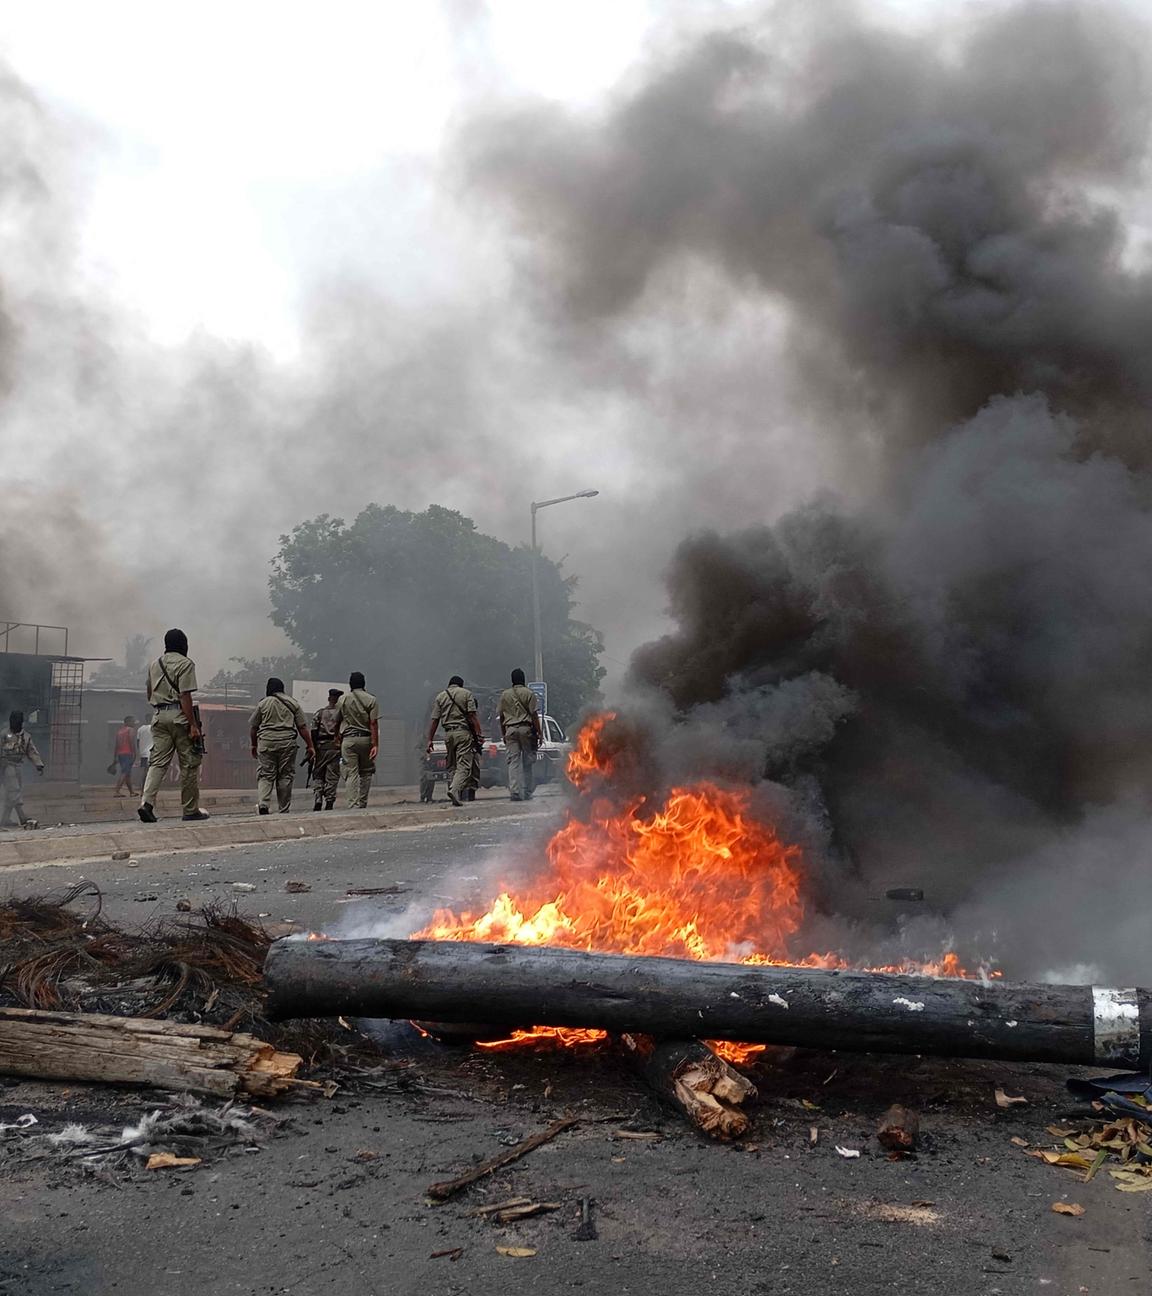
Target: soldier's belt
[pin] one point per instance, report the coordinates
(357, 733)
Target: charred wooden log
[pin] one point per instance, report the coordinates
(689, 1076)
(141, 1051)
(678, 999)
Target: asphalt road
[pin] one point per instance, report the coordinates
(335, 1201)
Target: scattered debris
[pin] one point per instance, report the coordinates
(813, 1135)
(899, 1129)
(1068, 1208)
(166, 1161)
(1004, 1100)
(846, 1151)
(586, 1229)
(440, 1192)
(515, 1208)
(918, 1213)
(1126, 1140)
(517, 1252)
(375, 891)
(121, 855)
(452, 1253)
(297, 888)
(20, 1123)
(183, 906)
(243, 886)
(637, 1136)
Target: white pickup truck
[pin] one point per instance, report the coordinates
(551, 760)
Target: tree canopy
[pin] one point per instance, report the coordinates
(413, 598)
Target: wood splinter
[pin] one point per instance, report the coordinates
(440, 1192)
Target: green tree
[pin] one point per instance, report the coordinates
(412, 598)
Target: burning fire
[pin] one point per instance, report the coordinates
(587, 756)
(695, 877)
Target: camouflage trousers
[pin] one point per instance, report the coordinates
(326, 772)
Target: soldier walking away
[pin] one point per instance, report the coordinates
(520, 725)
(175, 728)
(455, 709)
(275, 723)
(326, 743)
(16, 747)
(359, 735)
(124, 756)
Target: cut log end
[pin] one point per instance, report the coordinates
(702, 1086)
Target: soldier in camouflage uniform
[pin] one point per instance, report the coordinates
(16, 747)
(325, 738)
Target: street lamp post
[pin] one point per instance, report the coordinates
(538, 663)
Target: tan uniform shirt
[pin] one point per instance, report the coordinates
(16, 748)
(276, 719)
(453, 706)
(358, 708)
(518, 705)
(182, 672)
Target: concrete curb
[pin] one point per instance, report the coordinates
(44, 847)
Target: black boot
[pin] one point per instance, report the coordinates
(329, 804)
(146, 813)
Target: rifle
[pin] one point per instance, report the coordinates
(307, 761)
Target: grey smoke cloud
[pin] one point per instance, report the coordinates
(947, 665)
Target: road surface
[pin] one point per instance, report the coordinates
(335, 1201)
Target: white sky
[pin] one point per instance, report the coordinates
(236, 141)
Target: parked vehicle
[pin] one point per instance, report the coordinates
(551, 759)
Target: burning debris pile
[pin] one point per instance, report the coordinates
(663, 923)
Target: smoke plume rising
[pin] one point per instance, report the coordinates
(948, 670)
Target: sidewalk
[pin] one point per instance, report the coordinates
(55, 807)
(241, 827)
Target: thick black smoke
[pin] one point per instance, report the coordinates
(952, 676)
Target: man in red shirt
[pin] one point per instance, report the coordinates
(124, 755)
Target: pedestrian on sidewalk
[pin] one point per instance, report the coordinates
(520, 725)
(124, 756)
(359, 735)
(455, 709)
(274, 724)
(326, 741)
(175, 728)
(16, 747)
(143, 750)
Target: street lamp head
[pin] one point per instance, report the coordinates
(587, 494)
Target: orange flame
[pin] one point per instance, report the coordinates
(586, 756)
(697, 877)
